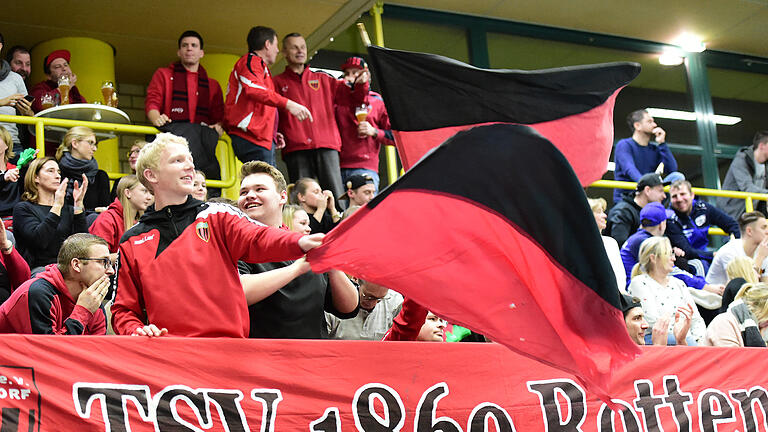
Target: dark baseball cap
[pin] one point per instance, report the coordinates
(354, 182)
(650, 180)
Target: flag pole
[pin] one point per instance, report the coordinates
(364, 34)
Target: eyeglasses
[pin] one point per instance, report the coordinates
(93, 143)
(106, 262)
(132, 152)
(371, 298)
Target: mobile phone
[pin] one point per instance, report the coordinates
(29, 98)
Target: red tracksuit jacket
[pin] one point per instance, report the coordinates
(251, 103)
(109, 225)
(44, 306)
(317, 91)
(359, 152)
(178, 269)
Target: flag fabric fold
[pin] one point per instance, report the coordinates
(491, 231)
(429, 98)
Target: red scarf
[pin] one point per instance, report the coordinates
(180, 100)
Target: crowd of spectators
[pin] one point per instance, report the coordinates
(70, 231)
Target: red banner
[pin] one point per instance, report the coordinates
(62, 383)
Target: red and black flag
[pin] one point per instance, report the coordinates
(491, 229)
(429, 98)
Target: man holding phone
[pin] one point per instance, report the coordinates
(643, 152)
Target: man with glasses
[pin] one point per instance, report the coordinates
(285, 299)
(378, 307)
(65, 298)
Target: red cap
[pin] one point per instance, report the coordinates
(56, 55)
(354, 63)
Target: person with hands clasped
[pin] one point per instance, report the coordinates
(65, 298)
(319, 204)
(42, 220)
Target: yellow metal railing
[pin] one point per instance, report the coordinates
(227, 162)
(746, 196)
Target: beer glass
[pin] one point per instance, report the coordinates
(64, 89)
(107, 89)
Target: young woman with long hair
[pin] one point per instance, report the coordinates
(131, 202)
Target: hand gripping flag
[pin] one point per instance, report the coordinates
(491, 230)
(429, 98)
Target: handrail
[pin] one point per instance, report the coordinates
(41, 122)
(746, 196)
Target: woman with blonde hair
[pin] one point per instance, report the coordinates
(75, 156)
(10, 188)
(745, 322)
(133, 157)
(661, 294)
(740, 271)
(598, 206)
(296, 219)
(131, 202)
(43, 220)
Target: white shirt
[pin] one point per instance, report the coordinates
(723, 257)
(659, 300)
(614, 256)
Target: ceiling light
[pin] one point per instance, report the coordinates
(670, 59)
(691, 43)
(690, 116)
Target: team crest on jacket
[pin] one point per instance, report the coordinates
(314, 84)
(203, 231)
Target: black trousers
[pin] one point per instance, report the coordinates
(320, 164)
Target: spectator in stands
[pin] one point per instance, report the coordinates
(360, 189)
(286, 299)
(201, 242)
(745, 321)
(199, 188)
(624, 217)
(361, 141)
(55, 66)
(637, 326)
(18, 57)
(14, 271)
(131, 202)
(747, 173)
(75, 156)
(251, 104)
(753, 243)
(66, 298)
(611, 247)
(318, 204)
(661, 294)
(133, 156)
(688, 226)
(12, 102)
(296, 219)
(653, 222)
(378, 308)
(415, 322)
(312, 148)
(643, 152)
(42, 220)
(184, 100)
(10, 189)
(740, 270)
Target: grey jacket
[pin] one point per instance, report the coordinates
(740, 177)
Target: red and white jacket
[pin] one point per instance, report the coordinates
(178, 269)
(359, 152)
(317, 91)
(251, 103)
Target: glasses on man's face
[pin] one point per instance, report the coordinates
(132, 152)
(370, 298)
(106, 262)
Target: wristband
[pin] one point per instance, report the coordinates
(78, 209)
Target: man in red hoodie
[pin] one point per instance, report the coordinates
(65, 298)
(251, 104)
(312, 149)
